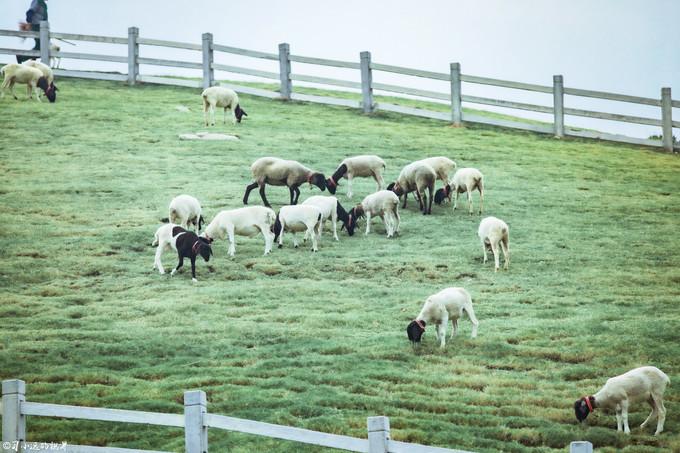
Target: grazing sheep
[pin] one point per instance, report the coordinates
(186, 243)
(47, 73)
(447, 304)
(383, 203)
(357, 166)
(416, 176)
(464, 181)
(32, 77)
(296, 218)
(185, 209)
(221, 97)
(246, 221)
(280, 172)
(646, 383)
(331, 209)
(494, 232)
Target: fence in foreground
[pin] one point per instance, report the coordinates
(195, 422)
(364, 83)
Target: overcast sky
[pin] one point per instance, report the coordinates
(623, 46)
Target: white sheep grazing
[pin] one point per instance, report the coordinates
(447, 304)
(331, 209)
(416, 177)
(464, 181)
(246, 221)
(357, 166)
(165, 241)
(384, 204)
(221, 97)
(646, 383)
(18, 73)
(494, 232)
(281, 172)
(296, 218)
(185, 209)
(46, 70)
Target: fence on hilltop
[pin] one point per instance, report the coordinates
(364, 83)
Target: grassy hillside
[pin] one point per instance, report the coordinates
(318, 340)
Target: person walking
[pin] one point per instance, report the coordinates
(36, 12)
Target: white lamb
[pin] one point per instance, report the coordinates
(165, 241)
(464, 181)
(357, 166)
(247, 221)
(416, 177)
(295, 218)
(447, 304)
(331, 209)
(384, 204)
(646, 383)
(494, 232)
(18, 73)
(221, 97)
(185, 209)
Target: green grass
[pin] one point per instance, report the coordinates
(318, 340)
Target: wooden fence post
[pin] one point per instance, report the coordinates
(558, 105)
(133, 55)
(45, 42)
(378, 434)
(195, 431)
(284, 71)
(208, 71)
(667, 119)
(456, 95)
(13, 423)
(581, 446)
(366, 82)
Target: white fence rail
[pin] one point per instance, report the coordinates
(195, 421)
(365, 84)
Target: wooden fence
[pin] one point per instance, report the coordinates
(285, 77)
(195, 422)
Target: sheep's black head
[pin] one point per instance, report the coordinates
(276, 229)
(202, 246)
(50, 89)
(583, 407)
(351, 223)
(441, 194)
(319, 180)
(415, 331)
(396, 188)
(331, 185)
(239, 112)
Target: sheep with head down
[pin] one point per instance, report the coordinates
(32, 77)
(365, 166)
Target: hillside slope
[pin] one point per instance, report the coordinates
(318, 340)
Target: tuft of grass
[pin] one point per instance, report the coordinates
(318, 340)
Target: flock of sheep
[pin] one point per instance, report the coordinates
(32, 73)
(638, 385)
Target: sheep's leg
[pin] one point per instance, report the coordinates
(206, 107)
(420, 201)
(232, 240)
(454, 330)
(378, 180)
(248, 189)
(225, 117)
(496, 257)
(396, 215)
(387, 221)
(263, 196)
(315, 235)
(180, 264)
(283, 227)
(334, 219)
(405, 198)
(429, 199)
(368, 222)
(481, 200)
(295, 241)
(469, 197)
(157, 261)
(661, 413)
(618, 418)
(233, 117)
(441, 331)
(193, 269)
(212, 114)
(349, 184)
(484, 251)
(268, 239)
(506, 253)
(624, 416)
(455, 200)
(652, 414)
